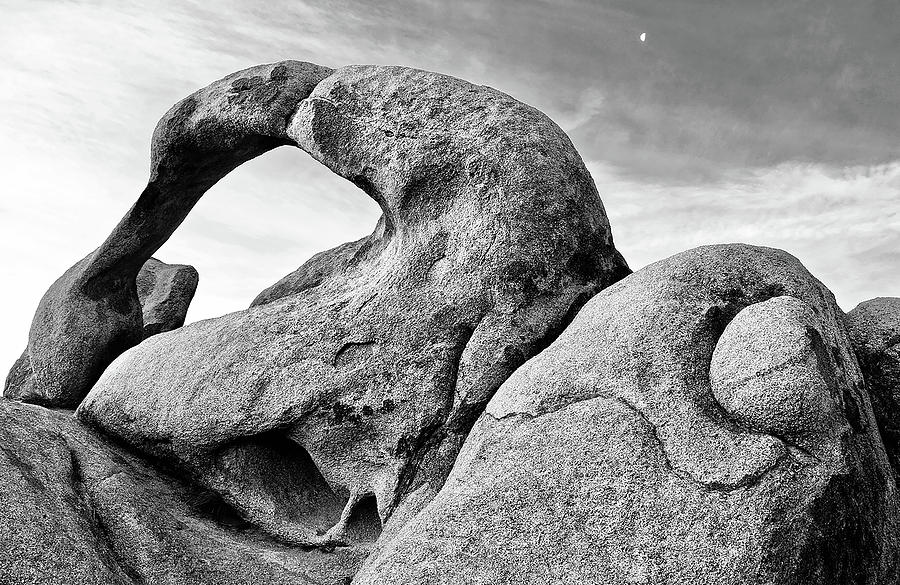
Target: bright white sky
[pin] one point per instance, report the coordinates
(765, 122)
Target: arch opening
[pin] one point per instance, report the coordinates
(262, 221)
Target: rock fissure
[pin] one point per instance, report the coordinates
(97, 522)
(432, 435)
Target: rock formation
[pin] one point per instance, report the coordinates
(91, 314)
(874, 328)
(702, 421)
(448, 399)
(164, 293)
(375, 358)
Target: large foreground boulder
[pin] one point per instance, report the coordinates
(874, 328)
(346, 391)
(702, 421)
(78, 510)
(164, 293)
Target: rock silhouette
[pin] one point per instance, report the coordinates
(479, 391)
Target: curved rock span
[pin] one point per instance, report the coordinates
(348, 387)
(484, 200)
(448, 399)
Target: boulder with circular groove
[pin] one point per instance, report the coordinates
(702, 421)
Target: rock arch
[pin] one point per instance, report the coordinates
(376, 356)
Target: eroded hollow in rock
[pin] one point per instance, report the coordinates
(209, 504)
(273, 477)
(364, 523)
(270, 469)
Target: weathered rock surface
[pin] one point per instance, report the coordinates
(702, 421)
(770, 371)
(77, 509)
(164, 293)
(41, 508)
(19, 383)
(874, 328)
(365, 368)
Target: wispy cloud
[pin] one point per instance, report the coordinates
(843, 223)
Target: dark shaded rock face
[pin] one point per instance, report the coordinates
(874, 328)
(19, 383)
(78, 510)
(164, 293)
(702, 421)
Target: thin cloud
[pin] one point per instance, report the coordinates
(844, 223)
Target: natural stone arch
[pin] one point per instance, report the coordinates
(374, 357)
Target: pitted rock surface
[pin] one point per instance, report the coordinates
(616, 456)
(373, 360)
(164, 293)
(874, 328)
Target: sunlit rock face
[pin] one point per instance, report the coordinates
(702, 421)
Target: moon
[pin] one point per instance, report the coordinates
(643, 37)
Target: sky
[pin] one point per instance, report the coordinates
(767, 122)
